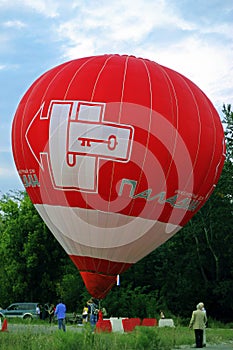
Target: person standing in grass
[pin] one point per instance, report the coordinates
(85, 314)
(38, 311)
(60, 312)
(51, 313)
(204, 332)
(198, 322)
(93, 311)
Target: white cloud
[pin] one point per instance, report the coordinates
(208, 66)
(224, 29)
(102, 26)
(14, 24)
(136, 14)
(46, 7)
(126, 27)
(120, 21)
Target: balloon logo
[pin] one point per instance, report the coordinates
(117, 153)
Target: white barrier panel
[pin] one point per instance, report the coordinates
(166, 322)
(117, 325)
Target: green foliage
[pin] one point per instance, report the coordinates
(228, 122)
(142, 338)
(131, 301)
(29, 252)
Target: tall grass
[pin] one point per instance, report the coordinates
(35, 337)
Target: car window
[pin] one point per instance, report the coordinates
(13, 307)
(22, 307)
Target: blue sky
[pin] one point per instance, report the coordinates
(193, 37)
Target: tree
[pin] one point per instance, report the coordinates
(228, 121)
(29, 252)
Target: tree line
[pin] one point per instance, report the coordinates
(195, 265)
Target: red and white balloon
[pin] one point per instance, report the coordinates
(117, 153)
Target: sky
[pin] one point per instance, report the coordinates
(193, 37)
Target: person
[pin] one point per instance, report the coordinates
(204, 332)
(38, 310)
(162, 314)
(93, 311)
(104, 311)
(100, 315)
(45, 309)
(198, 322)
(60, 312)
(85, 314)
(51, 313)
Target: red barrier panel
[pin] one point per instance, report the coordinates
(149, 322)
(103, 326)
(130, 323)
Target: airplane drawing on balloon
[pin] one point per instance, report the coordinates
(79, 137)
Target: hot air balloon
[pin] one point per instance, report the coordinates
(117, 153)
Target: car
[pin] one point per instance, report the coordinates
(22, 310)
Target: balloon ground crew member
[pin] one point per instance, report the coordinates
(85, 314)
(60, 312)
(93, 312)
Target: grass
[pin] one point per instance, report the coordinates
(34, 337)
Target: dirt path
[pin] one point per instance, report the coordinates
(210, 347)
(39, 328)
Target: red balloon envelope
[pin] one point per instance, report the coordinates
(117, 153)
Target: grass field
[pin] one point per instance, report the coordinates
(31, 337)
